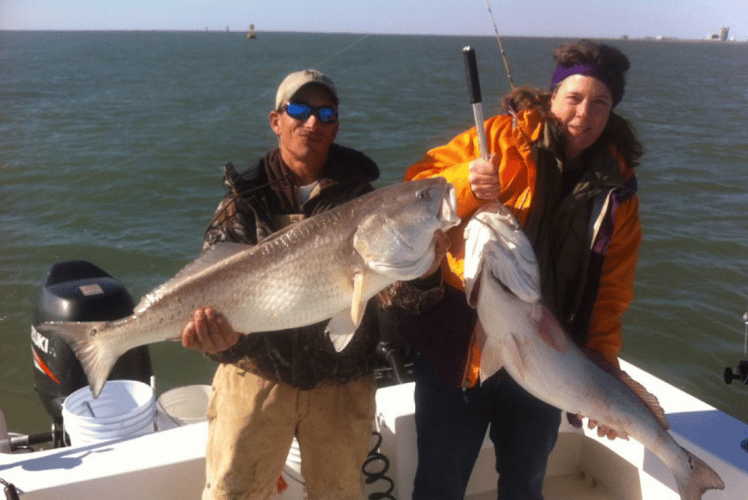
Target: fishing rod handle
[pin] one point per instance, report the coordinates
(471, 67)
(480, 130)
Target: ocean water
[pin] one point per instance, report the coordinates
(111, 145)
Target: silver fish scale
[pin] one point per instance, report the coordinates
(299, 276)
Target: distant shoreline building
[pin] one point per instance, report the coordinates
(722, 35)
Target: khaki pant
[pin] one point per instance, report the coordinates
(252, 422)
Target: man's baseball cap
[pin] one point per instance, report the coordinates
(294, 81)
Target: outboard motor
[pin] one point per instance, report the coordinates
(78, 290)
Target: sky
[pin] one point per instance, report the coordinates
(687, 19)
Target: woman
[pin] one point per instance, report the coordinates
(563, 162)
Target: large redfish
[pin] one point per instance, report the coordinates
(323, 267)
(519, 333)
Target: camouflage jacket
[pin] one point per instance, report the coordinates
(259, 202)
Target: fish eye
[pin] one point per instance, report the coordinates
(422, 194)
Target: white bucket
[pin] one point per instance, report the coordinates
(291, 484)
(125, 408)
(182, 406)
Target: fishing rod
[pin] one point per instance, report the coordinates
(471, 68)
(504, 57)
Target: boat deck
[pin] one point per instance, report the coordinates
(169, 464)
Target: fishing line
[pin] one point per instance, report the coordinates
(504, 57)
(320, 63)
(508, 69)
(266, 94)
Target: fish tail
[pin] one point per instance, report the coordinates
(697, 479)
(491, 360)
(96, 359)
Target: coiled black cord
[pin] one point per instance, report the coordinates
(379, 474)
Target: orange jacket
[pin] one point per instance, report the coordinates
(512, 139)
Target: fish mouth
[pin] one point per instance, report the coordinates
(502, 212)
(500, 243)
(448, 209)
(445, 215)
(441, 219)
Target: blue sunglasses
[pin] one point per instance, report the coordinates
(302, 111)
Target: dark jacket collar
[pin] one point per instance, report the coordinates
(343, 166)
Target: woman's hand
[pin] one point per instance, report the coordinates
(602, 430)
(208, 332)
(576, 420)
(483, 177)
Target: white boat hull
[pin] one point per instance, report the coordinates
(169, 464)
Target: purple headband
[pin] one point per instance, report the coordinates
(590, 69)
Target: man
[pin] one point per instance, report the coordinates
(274, 386)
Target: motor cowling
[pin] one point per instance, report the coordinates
(78, 290)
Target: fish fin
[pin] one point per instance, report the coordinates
(699, 479)
(210, 257)
(97, 362)
(340, 341)
(216, 253)
(646, 397)
(476, 235)
(491, 359)
(472, 289)
(356, 304)
(649, 399)
(341, 329)
(403, 272)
